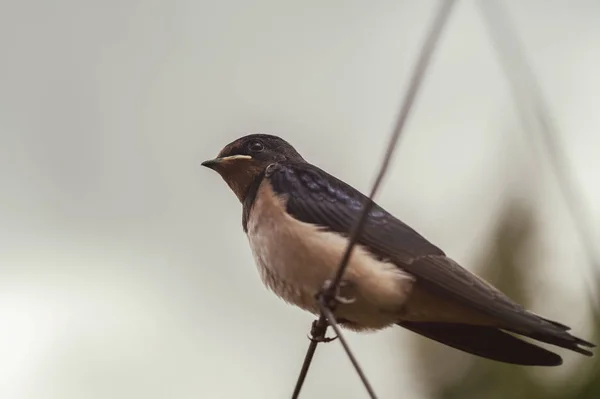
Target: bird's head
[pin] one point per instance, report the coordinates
(242, 161)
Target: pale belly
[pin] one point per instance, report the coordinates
(295, 260)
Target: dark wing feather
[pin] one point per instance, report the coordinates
(486, 342)
(313, 196)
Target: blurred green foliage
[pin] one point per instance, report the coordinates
(450, 374)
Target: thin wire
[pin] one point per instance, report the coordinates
(509, 49)
(328, 295)
(306, 364)
(333, 323)
(415, 83)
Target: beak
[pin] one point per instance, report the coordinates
(214, 163)
(211, 163)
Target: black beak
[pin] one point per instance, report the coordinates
(211, 163)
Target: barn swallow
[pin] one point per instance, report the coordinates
(298, 218)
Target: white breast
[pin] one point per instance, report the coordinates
(295, 259)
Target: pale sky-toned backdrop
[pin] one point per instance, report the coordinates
(124, 271)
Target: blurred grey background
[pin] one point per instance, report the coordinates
(124, 271)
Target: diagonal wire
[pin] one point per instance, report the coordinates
(317, 333)
(512, 58)
(333, 323)
(328, 295)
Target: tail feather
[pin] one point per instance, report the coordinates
(564, 340)
(487, 342)
(555, 333)
(556, 323)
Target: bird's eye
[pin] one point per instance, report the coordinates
(256, 146)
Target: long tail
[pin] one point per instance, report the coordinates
(558, 335)
(495, 344)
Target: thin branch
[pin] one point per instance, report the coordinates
(528, 95)
(328, 295)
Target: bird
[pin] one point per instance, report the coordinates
(298, 219)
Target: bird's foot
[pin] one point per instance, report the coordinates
(330, 301)
(338, 297)
(316, 336)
